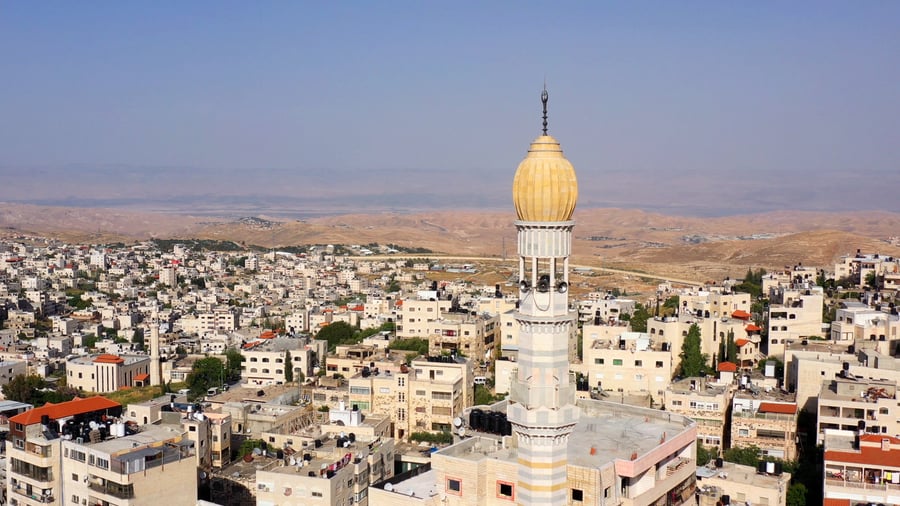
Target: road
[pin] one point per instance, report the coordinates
(401, 256)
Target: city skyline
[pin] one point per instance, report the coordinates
(702, 109)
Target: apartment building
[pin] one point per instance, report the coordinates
(861, 265)
(265, 360)
(82, 450)
(106, 372)
(631, 363)
(338, 471)
(861, 468)
(713, 330)
(857, 321)
(154, 466)
(704, 403)
(417, 315)
(767, 420)
(795, 313)
(866, 405)
(423, 397)
(603, 310)
(721, 481)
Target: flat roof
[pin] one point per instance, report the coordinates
(613, 430)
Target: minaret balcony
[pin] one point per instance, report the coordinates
(542, 396)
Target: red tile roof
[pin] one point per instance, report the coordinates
(836, 502)
(727, 367)
(772, 407)
(741, 315)
(142, 377)
(76, 406)
(741, 342)
(752, 328)
(869, 453)
(106, 358)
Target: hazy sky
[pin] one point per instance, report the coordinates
(803, 94)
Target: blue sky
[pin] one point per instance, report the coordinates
(799, 94)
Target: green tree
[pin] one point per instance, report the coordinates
(138, 339)
(746, 455)
(206, 373)
(24, 389)
(722, 353)
(639, 318)
(233, 360)
(336, 333)
(412, 344)
(705, 454)
(693, 361)
(484, 396)
(796, 495)
(731, 348)
(288, 367)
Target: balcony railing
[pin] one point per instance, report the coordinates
(112, 488)
(34, 496)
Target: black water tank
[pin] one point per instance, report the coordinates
(719, 462)
(726, 499)
(846, 366)
(851, 349)
(475, 418)
(861, 425)
(761, 467)
(778, 468)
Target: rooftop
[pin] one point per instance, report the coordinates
(731, 472)
(107, 358)
(76, 406)
(613, 431)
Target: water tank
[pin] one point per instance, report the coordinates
(861, 425)
(846, 366)
(475, 419)
(719, 462)
(761, 467)
(726, 499)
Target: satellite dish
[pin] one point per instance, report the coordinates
(293, 461)
(462, 431)
(202, 475)
(457, 421)
(257, 452)
(388, 487)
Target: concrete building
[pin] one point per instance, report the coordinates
(767, 421)
(850, 403)
(79, 452)
(106, 372)
(424, 397)
(742, 484)
(339, 471)
(795, 313)
(704, 403)
(630, 363)
(857, 321)
(265, 360)
(861, 469)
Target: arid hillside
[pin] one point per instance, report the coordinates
(677, 246)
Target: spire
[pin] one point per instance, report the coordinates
(544, 97)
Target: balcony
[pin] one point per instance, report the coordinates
(111, 488)
(45, 497)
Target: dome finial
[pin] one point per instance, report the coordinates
(544, 97)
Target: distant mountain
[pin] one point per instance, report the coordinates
(688, 247)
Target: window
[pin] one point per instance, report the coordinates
(659, 364)
(598, 361)
(505, 490)
(638, 363)
(743, 432)
(420, 393)
(577, 494)
(454, 486)
(316, 493)
(617, 361)
(192, 428)
(74, 476)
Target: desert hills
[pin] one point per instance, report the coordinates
(680, 246)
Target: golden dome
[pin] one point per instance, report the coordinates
(545, 188)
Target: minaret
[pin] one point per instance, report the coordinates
(155, 366)
(542, 399)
